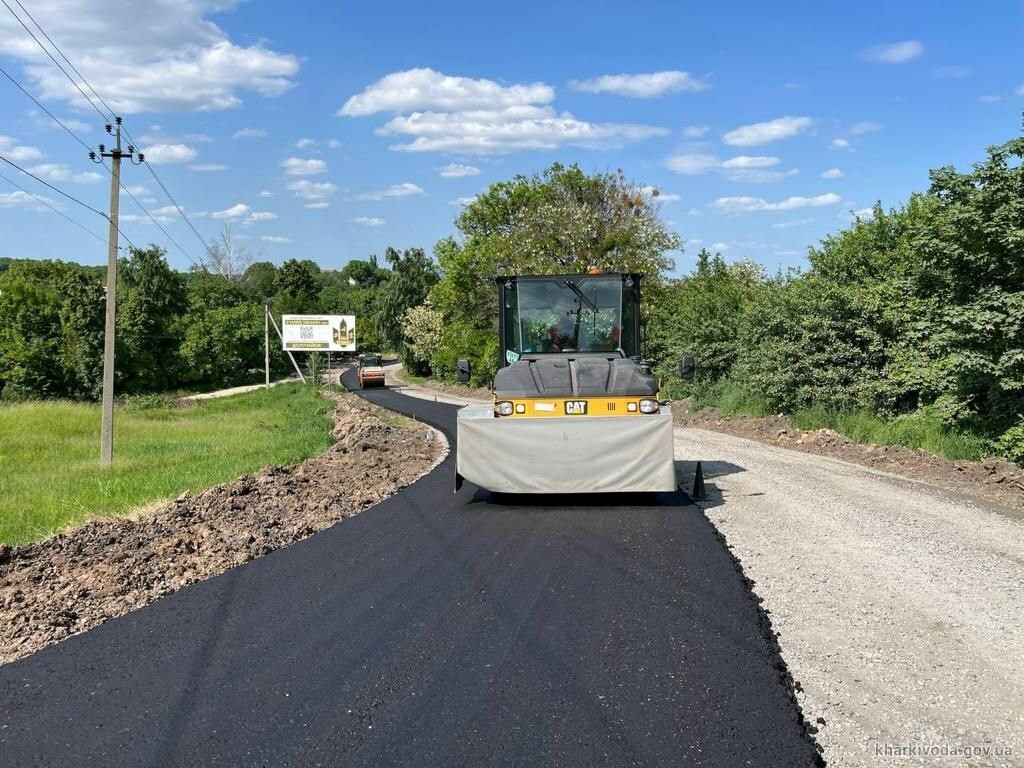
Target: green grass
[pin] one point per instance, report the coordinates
(49, 453)
(921, 429)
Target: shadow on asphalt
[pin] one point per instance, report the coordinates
(571, 500)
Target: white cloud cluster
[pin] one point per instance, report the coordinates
(369, 221)
(169, 154)
(18, 153)
(749, 204)
(275, 239)
(864, 126)
(441, 113)
(642, 86)
(756, 134)
(297, 166)
(743, 168)
(405, 189)
(427, 89)
(19, 199)
(662, 197)
(208, 167)
(313, 190)
(893, 53)
(173, 60)
(457, 171)
(695, 131)
(60, 172)
(250, 133)
(244, 213)
(833, 173)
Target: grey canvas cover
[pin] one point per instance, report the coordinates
(566, 454)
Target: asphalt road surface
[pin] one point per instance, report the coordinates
(432, 630)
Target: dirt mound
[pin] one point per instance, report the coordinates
(81, 578)
(993, 480)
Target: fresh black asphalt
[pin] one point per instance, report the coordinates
(432, 630)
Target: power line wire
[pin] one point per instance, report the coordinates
(181, 211)
(70, 197)
(56, 210)
(54, 60)
(86, 146)
(56, 119)
(66, 59)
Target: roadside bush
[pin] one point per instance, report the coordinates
(1010, 444)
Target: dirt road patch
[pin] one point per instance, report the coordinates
(76, 580)
(996, 481)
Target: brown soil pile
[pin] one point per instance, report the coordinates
(78, 579)
(993, 480)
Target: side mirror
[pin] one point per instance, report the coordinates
(686, 367)
(463, 371)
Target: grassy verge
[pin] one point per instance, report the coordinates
(49, 453)
(920, 429)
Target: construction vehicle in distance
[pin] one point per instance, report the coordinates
(370, 371)
(576, 409)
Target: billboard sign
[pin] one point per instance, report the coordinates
(319, 333)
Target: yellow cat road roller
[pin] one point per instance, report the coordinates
(576, 408)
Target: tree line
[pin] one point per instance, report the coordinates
(913, 315)
(184, 330)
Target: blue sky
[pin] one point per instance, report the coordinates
(333, 131)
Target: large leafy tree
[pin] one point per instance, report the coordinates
(151, 300)
(561, 220)
(413, 274)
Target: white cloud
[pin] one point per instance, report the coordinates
(747, 161)
(138, 189)
(157, 136)
(693, 165)
(174, 59)
(509, 130)
(311, 190)
(785, 253)
(208, 167)
(992, 98)
(303, 143)
(833, 173)
(457, 170)
(18, 153)
(169, 154)
(743, 168)
(839, 144)
(426, 89)
(333, 143)
(317, 206)
(60, 172)
(642, 86)
(791, 224)
(1020, 90)
(297, 166)
(19, 199)
(695, 131)
(405, 189)
(756, 134)
(462, 115)
(865, 126)
(720, 246)
(369, 221)
(893, 53)
(464, 201)
(236, 211)
(748, 204)
(250, 133)
(276, 239)
(266, 193)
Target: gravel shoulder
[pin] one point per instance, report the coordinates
(898, 605)
(78, 579)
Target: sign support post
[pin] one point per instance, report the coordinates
(266, 342)
(290, 355)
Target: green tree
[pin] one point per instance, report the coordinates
(222, 346)
(151, 301)
(413, 273)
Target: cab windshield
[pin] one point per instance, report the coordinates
(564, 314)
(371, 361)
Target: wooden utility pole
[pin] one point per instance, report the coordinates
(107, 409)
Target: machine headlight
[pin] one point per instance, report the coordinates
(503, 408)
(631, 407)
(648, 406)
(520, 408)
